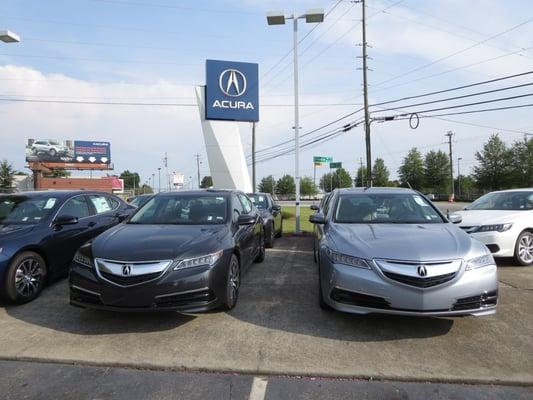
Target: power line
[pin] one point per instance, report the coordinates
(402, 118)
(454, 88)
(455, 53)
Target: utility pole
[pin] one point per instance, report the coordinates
(159, 172)
(296, 125)
(458, 177)
(362, 177)
(165, 162)
(253, 157)
(365, 95)
(450, 134)
(198, 168)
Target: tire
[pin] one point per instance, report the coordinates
(25, 277)
(323, 305)
(270, 233)
(233, 284)
(52, 152)
(524, 249)
(280, 232)
(262, 252)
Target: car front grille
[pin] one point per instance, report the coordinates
(185, 299)
(129, 280)
(420, 282)
(474, 302)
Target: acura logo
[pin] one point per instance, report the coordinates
(126, 270)
(422, 271)
(232, 82)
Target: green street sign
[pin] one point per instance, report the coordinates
(322, 159)
(335, 165)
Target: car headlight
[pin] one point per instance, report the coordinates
(478, 262)
(339, 258)
(209, 259)
(83, 259)
(494, 228)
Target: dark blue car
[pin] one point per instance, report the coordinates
(41, 231)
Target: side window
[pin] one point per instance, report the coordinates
(238, 209)
(113, 203)
(100, 203)
(246, 203)
(75, 207)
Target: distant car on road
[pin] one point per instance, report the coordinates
(41, 231)
(272, 216)
(185, 251)
(382, 250)
(503, 221)
(139, 200)
(50, 147)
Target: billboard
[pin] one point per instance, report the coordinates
(232, 91)
(68, 151)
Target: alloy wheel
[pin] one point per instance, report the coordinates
(233, 281)
(525, 248)
(28, 278)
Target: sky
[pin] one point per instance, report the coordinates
(153, 53)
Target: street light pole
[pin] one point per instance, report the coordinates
(458, 176)
(278, 18)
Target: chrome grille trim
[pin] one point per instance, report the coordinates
(111, 271)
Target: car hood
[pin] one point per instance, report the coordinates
(13, 231)
(130, 242)
(413, 242)
(488, 217)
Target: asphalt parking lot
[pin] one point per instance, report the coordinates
(278, 329)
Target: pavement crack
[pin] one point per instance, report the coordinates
(515, 287)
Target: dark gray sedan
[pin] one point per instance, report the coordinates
(184, 251)
(391, 251)
(272, 216)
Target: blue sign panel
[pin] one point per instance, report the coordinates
(232, 91)
(92, 152)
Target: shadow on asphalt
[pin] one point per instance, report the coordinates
(282, 294)
(53, 311)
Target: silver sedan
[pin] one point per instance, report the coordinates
(382, 250)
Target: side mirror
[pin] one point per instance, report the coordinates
(65, 220)
(314, 207)
(317, 218)
(246, 219)
(455, 218)
(276, 208)
(121, 216)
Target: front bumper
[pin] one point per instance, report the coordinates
(501, 244)
(363, 291)
(188, 290)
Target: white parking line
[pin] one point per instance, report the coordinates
(259, 386)
(290, 251)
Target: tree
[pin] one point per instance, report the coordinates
(267, 185)
(360, 177)
(207, 182)
(465, 187)
(131, 180)
(411, 171)
(286, 186)
(6, 175)
(307, 187)
(493, 171)
(437, 172)
(145, 189)
(380, 173)
(333, 180)
(521, 163)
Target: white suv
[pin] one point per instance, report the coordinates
(50, 147)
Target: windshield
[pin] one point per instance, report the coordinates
(139, 200)
(397, 208)
(182, 210)
(522, 200)
(24, 209)
(259, 200)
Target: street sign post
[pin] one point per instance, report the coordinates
(319, 161)
(335, 165)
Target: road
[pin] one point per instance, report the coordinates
(277, 330)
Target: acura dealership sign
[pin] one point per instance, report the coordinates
(232, 91)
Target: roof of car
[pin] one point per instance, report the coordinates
(57, 193)
(199, 191)
(376, 190)
(514, 190)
